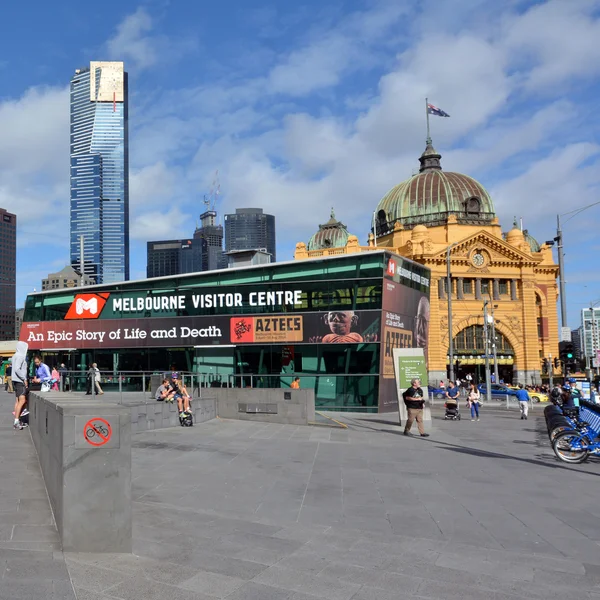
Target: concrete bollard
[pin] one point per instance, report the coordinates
(84, 449)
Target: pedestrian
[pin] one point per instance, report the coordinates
(567, 397)
(469, 378)
(295, 385)
(62, 371)
(55, 379)
(97, 377)
(452, 392)
(43, 377)
(8, 377)
(555, 395)
(442, 385)
(19, 379)
(474, 401)
(523, 398)
(414, 401)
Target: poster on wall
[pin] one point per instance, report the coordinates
(333, 327)
(404, 325)
(409, 364)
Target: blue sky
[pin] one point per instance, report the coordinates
(304, 106)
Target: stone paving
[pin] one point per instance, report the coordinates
(248, 511)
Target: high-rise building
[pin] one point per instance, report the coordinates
(18, 321)
(100, 171)
(211, 235)
(590, 332)
(8, 270)
(173, 257)
(250, 229)
(65, 278)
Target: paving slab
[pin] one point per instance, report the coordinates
(244, 510)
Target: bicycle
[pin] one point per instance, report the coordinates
(576, 444)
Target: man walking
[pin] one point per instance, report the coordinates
(19, 379)
(523, 398)
(413, 398)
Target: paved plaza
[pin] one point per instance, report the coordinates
(248, 511)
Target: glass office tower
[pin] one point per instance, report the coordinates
(100, 171)
(250, 229)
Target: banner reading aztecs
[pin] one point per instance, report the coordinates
(334, 327)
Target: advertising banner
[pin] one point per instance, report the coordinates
(409, 364)
(405, 325)
(333, 327)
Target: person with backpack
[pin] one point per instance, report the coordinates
(414, 401)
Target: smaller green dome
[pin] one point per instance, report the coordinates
(533, 243)
(332, 234)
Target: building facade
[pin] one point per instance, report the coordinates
(325, 321)
(590, 334)
(65, 278)
(436, 217)
(99, 147)
(18, 321)
(250, 229)
(174, 257)
(209, 237)
(8, 274)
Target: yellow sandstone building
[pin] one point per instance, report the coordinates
(424, 216)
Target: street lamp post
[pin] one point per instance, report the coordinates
(488, 385)
(449, 286)
(494, 349)
(561, 260)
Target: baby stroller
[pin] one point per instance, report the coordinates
(452, 412)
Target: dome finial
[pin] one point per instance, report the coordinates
(515, 224)
(332, 213)
(430, 159)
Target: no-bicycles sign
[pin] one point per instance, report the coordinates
(98, 432)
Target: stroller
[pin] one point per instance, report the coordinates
(452, 412)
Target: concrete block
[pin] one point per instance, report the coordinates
(88, 483)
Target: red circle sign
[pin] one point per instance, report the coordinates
(97, 431)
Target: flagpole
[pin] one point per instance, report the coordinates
(427, 116)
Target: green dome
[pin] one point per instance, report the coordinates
(332, 234)
(533, 243)
(432, 195)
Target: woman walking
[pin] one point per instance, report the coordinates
(474, 401)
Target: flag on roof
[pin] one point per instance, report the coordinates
(434, 110)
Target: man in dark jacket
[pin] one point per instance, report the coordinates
(414, 400)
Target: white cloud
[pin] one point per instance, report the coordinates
(135, 42)
(161, 225)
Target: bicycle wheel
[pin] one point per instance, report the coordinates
(563, 446)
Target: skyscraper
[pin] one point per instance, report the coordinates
(250, 229)
(173, 257)
(100, 171)
(8, 270)
(211, 235)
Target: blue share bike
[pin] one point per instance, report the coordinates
(582, 435)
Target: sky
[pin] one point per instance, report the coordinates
(305, 106)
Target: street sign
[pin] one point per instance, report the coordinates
(565, 334)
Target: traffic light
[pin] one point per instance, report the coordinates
(556, 362)
(566, 353)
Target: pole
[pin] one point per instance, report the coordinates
(550, 371)
(375, 227)
(81, 262)
(450, 338)
(488, 384)
(427, 116)
(561, 274)
(494, 349)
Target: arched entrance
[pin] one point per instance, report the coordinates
(469, 354)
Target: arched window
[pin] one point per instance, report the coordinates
(382, 225)
(471, 340)
(473, 206)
